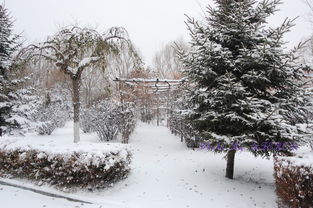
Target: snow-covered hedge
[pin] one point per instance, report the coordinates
(179, 126)
(294, 180)
(82, 165)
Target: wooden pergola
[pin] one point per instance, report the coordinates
(156, 87)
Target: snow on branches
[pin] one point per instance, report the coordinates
(73, 49)
(51, 115)
(247, 87)
(108, 119)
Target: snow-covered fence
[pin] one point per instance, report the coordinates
(71, 166)
(294, 180)
(108, 119)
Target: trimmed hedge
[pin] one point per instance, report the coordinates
(294, 182)
(70, 167)
(179, 126)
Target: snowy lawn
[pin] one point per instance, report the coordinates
(165, 173)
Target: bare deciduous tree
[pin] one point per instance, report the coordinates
(74, 49)
(166, 63)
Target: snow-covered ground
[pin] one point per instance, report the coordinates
(165, 173)
(16, 198)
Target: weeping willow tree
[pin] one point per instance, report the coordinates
(74, 49)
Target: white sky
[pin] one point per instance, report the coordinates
(151, 24)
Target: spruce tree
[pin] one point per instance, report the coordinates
(246, 87)
(8, 45)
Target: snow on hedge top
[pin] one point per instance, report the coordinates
(303, 157)
(87, 153)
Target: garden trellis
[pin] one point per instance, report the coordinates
(157, 91)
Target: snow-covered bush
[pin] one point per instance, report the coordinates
(70, 166)
(51, 115)
(108, 119)
(102, 119)
(106, 125)
(178, 126)
(294, 180)
(87, 118)
(126, 120)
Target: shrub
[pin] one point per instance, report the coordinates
(126, 120)
(294, 180)
(69, 166)
(51, 115)
(108, 119)
(179, 126)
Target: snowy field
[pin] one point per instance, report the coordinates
(165, 173)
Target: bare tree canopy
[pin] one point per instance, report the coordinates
(74, 49)
(165, 61)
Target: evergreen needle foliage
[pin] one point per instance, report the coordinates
(8, 45)
(247, 89)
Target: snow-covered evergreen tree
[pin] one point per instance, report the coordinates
(24, 107)
(247, 90)
(8, 45)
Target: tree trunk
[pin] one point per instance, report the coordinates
(76, 105)
(158, 116)
(230, 164)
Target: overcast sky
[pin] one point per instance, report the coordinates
(151, 24)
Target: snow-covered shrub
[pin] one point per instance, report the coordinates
(294, 180)
(50, 118)
(180, 127)
(51, 115)
(109, 118)
(70, 166)
(102, 119)
(126, 120)
(87, 117)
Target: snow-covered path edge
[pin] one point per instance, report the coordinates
(42, 192)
